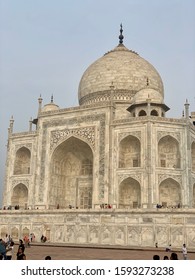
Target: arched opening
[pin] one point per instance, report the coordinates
(22, 161)
(170, 193)
(20, 196)
(71, 175)
(168, 152)
(129, 194)
(193, 156)
(129, 152)
(142, 113)
(154, 113)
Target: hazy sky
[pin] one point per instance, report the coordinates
(46, 45)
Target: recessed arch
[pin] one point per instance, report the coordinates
(71, 175)
(154, 113)
(22, 161)
(142, 113)
(170, 193)
(169, 152)
(129, 152)
(129, 193)
(20, 196)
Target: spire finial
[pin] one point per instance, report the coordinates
(52, 98)
(121, 37)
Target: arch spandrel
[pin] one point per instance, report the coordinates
(86, 134)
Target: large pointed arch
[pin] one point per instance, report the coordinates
(20, 196)
(170, 193)
(129, 152)
(71, 175)
(129, 193)
(22, 161)
(169, 152)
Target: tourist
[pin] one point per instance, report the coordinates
(174, 256)
(3, 249)
(156, 257)
(10, 250)
(6, 239)
(21, 245)
(184, 252)
(168, 248)
(20, 254)
(48, 258)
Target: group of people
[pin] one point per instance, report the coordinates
(7, 249)
(173, 255)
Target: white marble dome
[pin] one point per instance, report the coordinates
(121, 68)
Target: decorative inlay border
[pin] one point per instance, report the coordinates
(161, 134)
(87, 133)
(122, 177)
(20, 181)
(162, 177)
(26, 145)
(137, 134)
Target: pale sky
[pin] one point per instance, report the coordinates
(46, 45)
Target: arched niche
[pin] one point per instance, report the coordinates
(15, 233)
(71, 175)
(129, 194)
(20, 196)
(22, 161)
(129, 152)
(169, 152)
(193, 156)
(154, 113)
(170, 193)
(142, 113)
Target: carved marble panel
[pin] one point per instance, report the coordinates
(106, 234)
(82, 234)
(120, 235)
(133, 235)
(94, 233)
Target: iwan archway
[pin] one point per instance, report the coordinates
(71, 175)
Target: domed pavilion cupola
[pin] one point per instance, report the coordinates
(50, 106)
(148, 102)
(122, 68)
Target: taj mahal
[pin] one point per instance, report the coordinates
(112, 171)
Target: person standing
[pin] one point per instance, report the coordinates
(3, 249)
(10, 250)
(20, 254)
(184, 251)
